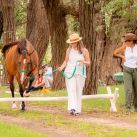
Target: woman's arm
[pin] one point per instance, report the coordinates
(118, 52)
(65, 61)
(86, 60)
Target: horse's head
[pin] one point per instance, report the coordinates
(26, 63)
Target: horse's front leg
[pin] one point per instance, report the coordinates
(27, 92)
(11, 78)
(21, 94)
(21, 90)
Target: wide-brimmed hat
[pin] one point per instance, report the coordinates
(130, 37)
(73, 38)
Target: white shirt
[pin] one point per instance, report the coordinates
(74, 58)
(131, 57)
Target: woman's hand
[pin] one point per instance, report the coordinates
(60, 69)
(81, 62)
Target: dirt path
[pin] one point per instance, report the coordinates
(89, 118)
(39, 126)
(53, 131)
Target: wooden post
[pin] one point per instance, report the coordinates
(113, 100)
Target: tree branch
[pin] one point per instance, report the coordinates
(71, 9)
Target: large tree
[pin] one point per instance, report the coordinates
(120, 17)
(9, 31)
(7, 7)
(37, 30)
(58, 33)
(1, 23)
(88, 24)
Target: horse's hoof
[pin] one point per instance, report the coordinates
(14, 106)
(22, 110)
(25, 94)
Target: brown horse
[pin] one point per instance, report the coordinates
(20, 61)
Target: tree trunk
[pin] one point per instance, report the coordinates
(37, 27)
(109, 64)
(9, 35)
(58, 32)
(88, 32)
(8, 21)
(1, 23)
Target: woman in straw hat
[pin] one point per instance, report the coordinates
(128, 53)
(77, 57)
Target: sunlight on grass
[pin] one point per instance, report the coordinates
(98, 107)
(11, 130)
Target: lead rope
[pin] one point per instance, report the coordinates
(74, 71)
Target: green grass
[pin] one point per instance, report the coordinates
(98, 106)
(11, 130)
(93, 130)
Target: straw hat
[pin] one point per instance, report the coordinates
(130, 37)
(73, 38)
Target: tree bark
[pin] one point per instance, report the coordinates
(1, 24)
(88, 32)
(9, 35)
(109, 64)
(58, 33)
(8, 21)
(37, 31)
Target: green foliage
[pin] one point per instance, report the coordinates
(89, 2)
(21, 17)
(48, 55)
(71, 1)
(72, 24)
(121, 8)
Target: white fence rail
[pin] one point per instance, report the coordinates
(113, 97)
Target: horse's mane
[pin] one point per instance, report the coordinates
(21, 46)
(9, 45)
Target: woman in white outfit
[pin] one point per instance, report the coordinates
(77, 57)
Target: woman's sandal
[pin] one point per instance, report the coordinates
(76, 114)
(72, 111)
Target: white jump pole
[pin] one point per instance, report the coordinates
(112, 97)
(63, 98)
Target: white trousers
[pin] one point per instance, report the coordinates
(48, 81)
(74, 88)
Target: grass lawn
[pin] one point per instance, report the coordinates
(98, 106)
(11, 130)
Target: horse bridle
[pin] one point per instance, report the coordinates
(29, 72)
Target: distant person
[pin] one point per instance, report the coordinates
(38, 81)
(47, 76)
(128, 53)
(77, 57)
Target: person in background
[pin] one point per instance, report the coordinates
(128, 53)
(47, 76)
(38, 82)
(76, 60)
(44, 78)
